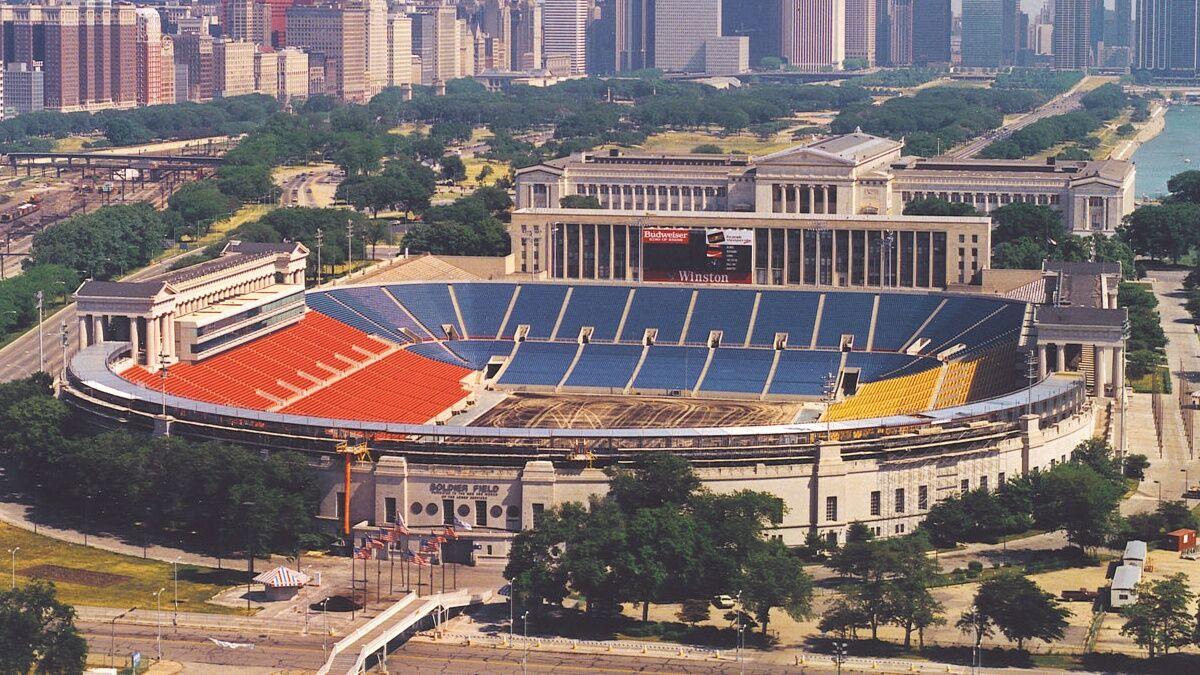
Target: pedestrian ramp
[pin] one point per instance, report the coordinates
(371, 640)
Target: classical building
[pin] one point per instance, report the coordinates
(197, 311)
(852, 174)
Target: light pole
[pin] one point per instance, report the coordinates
(1159, 484)
(63, 342)
(13, 552)
(249, 553)
(1186, 483)
(112, 635)
(162, 375)
(320, 244)
(510, 611)
(325, 635)
(349, 247)
(158, 621)
(839, 654)
(738, 643)
(525, 659)
(175, 575)
(41, 301)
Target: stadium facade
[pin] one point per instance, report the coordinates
(489, 402)
(851, 174)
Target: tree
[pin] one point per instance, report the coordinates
(1098, 454)
(844, 616)
(200, 203)
(1136, 465)
(1163, 230)
(1022, 219)
(773, 578)
(579, 202)
(934, 206)
(1185, 187)
(655, 479)
(707, 149)
(976, 624)
(693, 610)
(1019, 609)
(1074, 498)
(1161, 618)
(453, 168)
(910, 604)
(37, 631)
(376, 232)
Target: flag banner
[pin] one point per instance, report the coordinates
(231, 645)
(462, 524)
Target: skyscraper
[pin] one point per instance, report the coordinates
(860, 30)
(988, 33)
(564, 27)
(400, 49)
(527, 35)
(376, 47)
(339, 35)
(1167, 37)
(635, 34)
(931, 20)
(814, 33)
(435, 38)
(1072, 33)
(758, 20)
(601, 38)
(680, 29)
(894, 32)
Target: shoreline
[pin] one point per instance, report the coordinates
(1146, 132)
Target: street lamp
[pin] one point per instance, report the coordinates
(738, 643)
(158, 621)
(63, 341)
(175, 574)
(325, 635)
(249, 552)
(525, 659)
(1186, 483)
(13, 551)
(839, 654)
(112, 635)
(41, 302)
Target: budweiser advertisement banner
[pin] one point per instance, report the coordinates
(698, 256)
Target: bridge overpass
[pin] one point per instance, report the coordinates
(149, 167)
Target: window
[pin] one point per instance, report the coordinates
(831, 508)
(431, 509)
(899, 500)
(447, 511)
(538, 510)
(922, 497)
(464, 510)
(983, 482)
(875, 502)
(966, 484)
(481, 513)
(1000, 480)
(415, 508)
(831, 537)
(514, 511)
(389, 509)
(899, 529)
(497, 511)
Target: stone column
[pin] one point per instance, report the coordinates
(134, 338)
(1118, 366)
(1101, 370)
(97, 328)
(824, 199)
(1060, 357)
(83, 330)
(1042, 357)
(812, 199)
(152, 343)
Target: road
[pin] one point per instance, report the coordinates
(1056, 106)
(188, 646)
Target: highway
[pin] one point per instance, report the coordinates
(1059, 105)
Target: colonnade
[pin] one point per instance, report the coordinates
(1109, 363)
(804, 199)
(656, 197)
(148, 336)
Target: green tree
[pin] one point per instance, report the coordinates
(1161, 618)
(693, 610)
(773, 578)
(37, 632)
(1098, 454)
(1163, 230)
(1074, 498)
(1020, 609)
(935, 206)
(843, 616)
(1136, 465)
(910, 603)
(377, 232)
(1185, 187)
(579, 202)
(707, 149)
(654, 479)
(200, 203)
(453, 168)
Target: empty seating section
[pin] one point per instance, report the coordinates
(597, 306)
(727, 311)
(378, 306)
(661, 308)
(438, 351)
(539, 363)
(990, 374)
(791, 312)
(325, 303)
(483, 306)
(402, 387)
(299, 356)
(671, 368)
(477, 353)
(605, 366)
(803, 373)
(900, 315)
(429, 303)
(1003, 326)
(897, 396)
(845, 314)
(537, 306)
(956, 316)
(738, 370)
(879, 365)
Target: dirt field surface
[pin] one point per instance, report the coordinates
(73, 575)
(628, 412)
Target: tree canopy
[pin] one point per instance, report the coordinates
(37, 632)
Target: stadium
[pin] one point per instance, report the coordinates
(490, 401)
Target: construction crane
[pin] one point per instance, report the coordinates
(360, 452)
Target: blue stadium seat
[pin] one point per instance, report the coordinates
(668, 367)
(539, 363)
(725, 310)
(1002, 326)
(843, 314)
(791, 312)
(483, 306)
(477, 353)
(605, 366)
(884, 365)
(955, 317)
(327, 304)
(429, 303)
(738, 370)
(537, 306)
(661, 308)
(438, 352)
(380, 308)
(596, 306)
(803, 372)
(900, 315)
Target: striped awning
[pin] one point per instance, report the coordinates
(282, 577)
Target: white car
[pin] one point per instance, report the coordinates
(722, 602)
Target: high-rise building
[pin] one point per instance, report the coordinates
(278, 21)
(339, 35)
(635, 34)
(564, 31)
(681, 28)
(758, 20)
(989, 33)
(233, 68)
(894, 32)
(195, 52)
(602, 38)
(466, 49)
(376, 45)
(266, 72)
(400, 49)
(149, 57)
(496, 20)
(293, 74)
(727, 55)
(861, 24)
(931, 22)
(247, 20)
(23, 89)
(1072, 34)
(1122, 24)
(181, 82)
(814, 34)
(167, 90)
(1167, 37)
(528, 35)
(435, 38)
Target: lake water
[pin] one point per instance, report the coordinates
(1164, 156)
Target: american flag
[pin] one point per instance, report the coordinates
(418, 560)
(429, 545)
(361, 553)
(450, 533)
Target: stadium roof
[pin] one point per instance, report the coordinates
(1080, 316)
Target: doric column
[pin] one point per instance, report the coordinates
(824, 199)
(153, 346)
(83, 330)
(1060, 357)
(1101, 370)
(97, 329)
(1042, 358)
(812, 199)
(134, 338)
(1118, 366)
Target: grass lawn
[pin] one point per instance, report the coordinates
(1147, 384)
(73, 143)
(742, 143)
(409, 128)
(222, 227)
(89, 576)
(475, 165)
